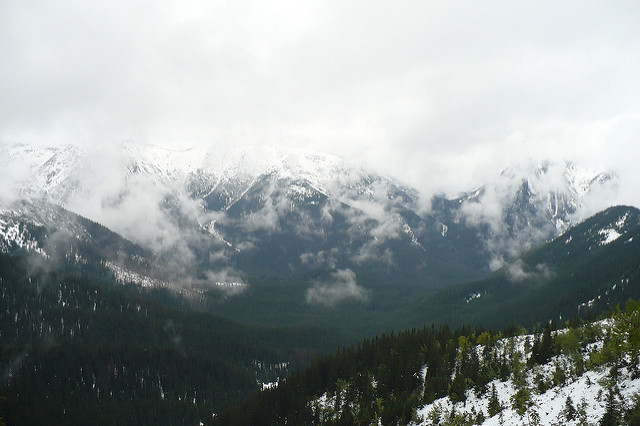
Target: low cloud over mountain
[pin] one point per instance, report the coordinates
(250, 211)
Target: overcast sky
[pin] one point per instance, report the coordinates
(418, 89)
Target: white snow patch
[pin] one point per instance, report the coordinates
(230, 284)
(127, 276)
(12, 234)
(620, 222)
(609, 235)
(473, 297)
(269, 385)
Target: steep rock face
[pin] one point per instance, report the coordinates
(557, 198)
(526, 206)
(277, 212)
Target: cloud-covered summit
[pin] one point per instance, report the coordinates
(421, 91)
(261, 210)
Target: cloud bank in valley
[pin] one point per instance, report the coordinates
(518, 271)
(342, 286)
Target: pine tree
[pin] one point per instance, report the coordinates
(457, 392)
(569, 412)
(546, 346)
(535, 348)
(494, 403)
(612, 415)
(632, 416)
(521, 400)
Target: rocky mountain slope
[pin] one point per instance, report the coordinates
(274, 212)
(587, 269)
(57, 235)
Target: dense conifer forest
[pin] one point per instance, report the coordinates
(76, 347)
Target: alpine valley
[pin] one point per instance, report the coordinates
(153, 286)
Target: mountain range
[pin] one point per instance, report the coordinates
(248, 212)
(247, 264)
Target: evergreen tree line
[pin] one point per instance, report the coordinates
(76, 347)
(378, 376)
(387, 378)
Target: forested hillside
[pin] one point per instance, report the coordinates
(583, 272)
(77, 347)
(465, 377)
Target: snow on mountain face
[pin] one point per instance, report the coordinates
(42, 170)
(607, 226)
(23, 226)
(531, 204)
(291, 195)
(616, 231)
(64, 173)
(58, 172)
(36, 226)
(335, 210)
(15, 235)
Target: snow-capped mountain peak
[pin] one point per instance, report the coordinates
(258, 203)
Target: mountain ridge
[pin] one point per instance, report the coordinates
(581, 272)
(301, 210)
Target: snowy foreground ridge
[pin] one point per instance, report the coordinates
(573, 398)
(592, 378)
(588, 396)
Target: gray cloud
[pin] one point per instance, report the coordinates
(342, 286)
(326, 259)
(556, 188)
(518, 271)
(420, 90)
(371, 252)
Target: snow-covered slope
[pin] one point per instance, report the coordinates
(15, 235)
(561, 391)
(37, 170)
(66, 239)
